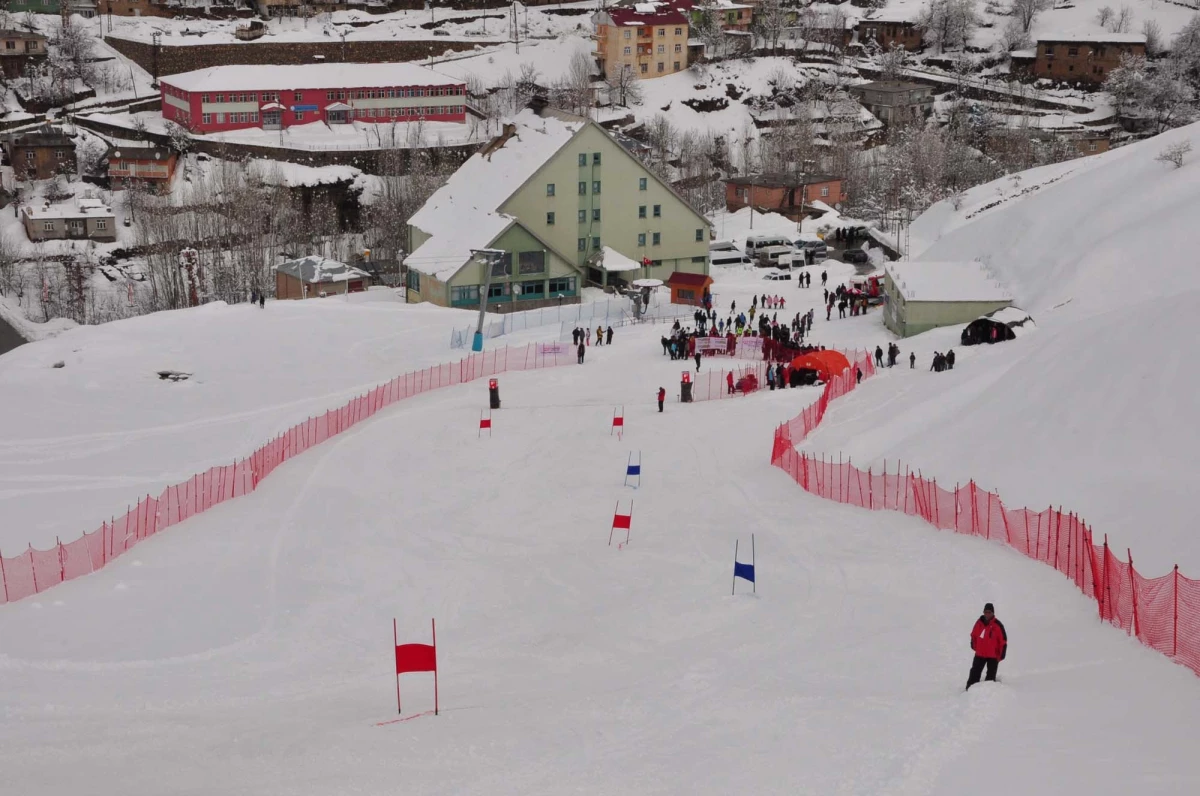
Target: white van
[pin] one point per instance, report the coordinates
(729, 258)
(722, 246)
(756, 243)
(775, 256)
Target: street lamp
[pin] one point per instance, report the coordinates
(489, 257)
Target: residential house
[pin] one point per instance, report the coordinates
(650, 38)
(133, 8)
(41, 153)
(885, 30)
(82, 219)
(786, 194)
(19, 47)
(138, 160)
(316, 277)
(894, 101)
(923, 296)
(1084, 58)
(552, 197)
(727, 15)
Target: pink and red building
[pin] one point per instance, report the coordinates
(274, 97)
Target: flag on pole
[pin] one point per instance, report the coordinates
(416, 658)
(634, 470)
(744, 571)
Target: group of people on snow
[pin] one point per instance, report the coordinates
(581, 339)
(942, 361)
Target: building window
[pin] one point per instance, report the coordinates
(251, 98)
(101, 224)
(657, 238)
(220, 118)
(549, 219)
(643, 68)
(595, 158)
(658, 211)
(583, 244)
(495, 291)
(533, 290)
(504, 266)
(582, 159)
(595, 186)
(564, 284)
(206, 118)
(1072, 52)
(47, 226)
(220, 98)
(464, 294)
(627, 33)
(596, 243)
(549, 189)
(699, 259)
(595, 214)
(678, 31)
(662, 32)
(1091, 146)
(641, 211)
(641, 239)
(661, 67)
(662, 48)
(628, 50)
(58, 154)
(678, 48)
(531, 262)
(582, 216)
(583, 189)
(329, 95)
(641, 183)
(297, 96)
(700, 235)
(254, 117)
(676, 66)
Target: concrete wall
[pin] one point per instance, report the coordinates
(176, 59)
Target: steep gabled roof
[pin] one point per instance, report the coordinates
(463, 214)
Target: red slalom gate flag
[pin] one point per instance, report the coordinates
(416, 658)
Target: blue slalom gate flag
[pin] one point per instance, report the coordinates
(634, 470)
(744, 571)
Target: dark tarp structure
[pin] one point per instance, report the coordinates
(1003, 324)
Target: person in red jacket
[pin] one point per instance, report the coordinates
(989, 640)
(662, 396)
(729, 382)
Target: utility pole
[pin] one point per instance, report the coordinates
(489, 258)
(156, 37)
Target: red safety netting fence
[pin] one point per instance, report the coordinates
(1163, 612)
(34, 571)
(714, 385)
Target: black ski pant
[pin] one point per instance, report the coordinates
(660, 405)
(977, 669)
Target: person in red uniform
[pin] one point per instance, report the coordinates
(989, 640)
(662, 396)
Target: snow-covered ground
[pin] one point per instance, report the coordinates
(248, 650)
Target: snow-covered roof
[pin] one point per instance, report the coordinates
(1100, 37)
(947, 281)
(80, 208)
(612, 260)
(1023, 54)
(270, 77)
(462, 214)
(317, 270)
(1014, 318)
(892, 17)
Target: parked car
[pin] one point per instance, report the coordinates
(777, 276)
(811, 243)
(855, 256)
(729, 258)
(770, 256)
(756, 243)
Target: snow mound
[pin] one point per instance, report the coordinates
(1101, 232)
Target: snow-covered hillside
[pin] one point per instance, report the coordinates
(1091, 411)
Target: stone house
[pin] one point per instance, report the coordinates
(894, 101)
(83, 219)
(138, 160)
(1084, 58)
(885, 30)
(41, 154)
(19, 47)
(549, 198)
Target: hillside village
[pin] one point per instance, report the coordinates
(251, 133)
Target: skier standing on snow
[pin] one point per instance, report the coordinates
(662, 396)
(989, 640)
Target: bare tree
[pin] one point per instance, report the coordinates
(10, 255)
(1122, 21)
(1154, 37)
(891, 63)
(1025, 11)
(1175, 153)
(1104, 16)
(623, 83)
(949, 24)
(770, 18)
